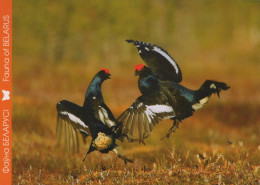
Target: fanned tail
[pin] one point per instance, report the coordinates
(211, 86)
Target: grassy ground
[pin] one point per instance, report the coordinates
(217, 145)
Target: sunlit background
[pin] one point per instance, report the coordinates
(60, 45)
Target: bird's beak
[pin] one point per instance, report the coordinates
(109, 76)
(136, 73)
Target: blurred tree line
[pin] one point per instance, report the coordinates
(94, 31)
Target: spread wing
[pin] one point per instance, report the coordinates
(70, 125)
(143, 115)
(159, 60)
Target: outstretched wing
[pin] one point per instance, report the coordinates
(143, 115)
(70, 125)
(159, 60)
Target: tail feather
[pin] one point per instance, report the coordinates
(211, 86)
(204, 92)
(132, 41)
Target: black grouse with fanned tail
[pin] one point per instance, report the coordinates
(93, 119)
(165, 68)
(163, 100)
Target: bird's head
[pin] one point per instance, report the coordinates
(104, 74)
(139, 68)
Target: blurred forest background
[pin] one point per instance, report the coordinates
(60, 45)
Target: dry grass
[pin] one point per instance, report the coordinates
(198, 152)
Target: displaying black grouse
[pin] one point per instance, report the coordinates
(93, 119)
(162, 97)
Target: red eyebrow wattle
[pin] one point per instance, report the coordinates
(138, 67)
(106, 70)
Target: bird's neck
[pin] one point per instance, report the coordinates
(148, 84)
(94, 88)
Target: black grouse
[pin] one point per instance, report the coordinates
(162, 95)
(93, 119)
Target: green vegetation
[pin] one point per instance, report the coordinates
(60, 45)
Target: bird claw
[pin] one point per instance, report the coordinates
(167, 135)
(163, 137)
(84, 158)
(125, 159)
(128, 160)
(130, 140)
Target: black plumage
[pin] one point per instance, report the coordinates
(162, 96)
(159, 61)
(93, 119)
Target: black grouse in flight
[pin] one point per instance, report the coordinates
(162, 95)
(93, 119)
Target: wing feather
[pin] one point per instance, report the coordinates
(66, 138)
(146, 126)
(143, 115)
(70, 124)
(141, 128)
(129, 122)
(123, 117)
(77, 140)
(58, 129)
(135, 119)
(159, 60)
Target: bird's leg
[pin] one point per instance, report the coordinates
(85, 156)
(122, 157)
(91, 149)
(136, 140)
(172, 129)
(130, 140)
